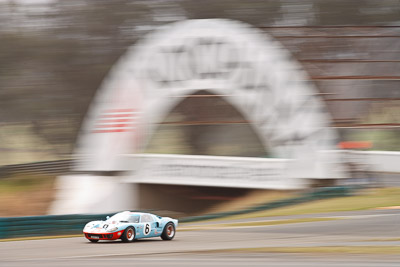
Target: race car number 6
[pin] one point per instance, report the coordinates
(147, 229)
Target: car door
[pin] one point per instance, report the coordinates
(148, 225)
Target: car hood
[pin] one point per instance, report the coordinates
(100, 226)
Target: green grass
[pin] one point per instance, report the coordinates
(24, 182)
(392, 250)
(24, 195)
(39, 237)
(364, 200)
(255, 224)
(277, 222)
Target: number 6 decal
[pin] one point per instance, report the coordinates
(147, 229)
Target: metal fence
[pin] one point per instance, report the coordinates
(47, 167)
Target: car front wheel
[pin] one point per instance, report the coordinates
(128, 235)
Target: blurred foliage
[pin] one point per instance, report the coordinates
(26, 194)
(54, 54)
(216, 132)
(24, 182)
(382, 139)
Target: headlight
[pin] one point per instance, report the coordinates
(112, 229)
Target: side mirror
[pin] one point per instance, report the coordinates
(108, 217)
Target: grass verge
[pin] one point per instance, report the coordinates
(26, 194)
(38, 237)
(255, 224)
(364, 200)
(392, 250)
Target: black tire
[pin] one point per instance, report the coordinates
(168, 232)
(94, 240)
(128, 235)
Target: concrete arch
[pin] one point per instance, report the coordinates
(247, 67)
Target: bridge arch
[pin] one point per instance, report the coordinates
(249, 69)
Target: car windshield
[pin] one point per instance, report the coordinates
(125, 216)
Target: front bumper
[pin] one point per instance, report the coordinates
(103, 236)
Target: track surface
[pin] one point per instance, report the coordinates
(195, 248)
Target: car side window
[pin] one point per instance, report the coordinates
(147, 218)
(134, 218)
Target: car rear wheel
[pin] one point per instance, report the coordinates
(169, 232)
(128, 235)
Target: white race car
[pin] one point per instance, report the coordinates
(129, 226)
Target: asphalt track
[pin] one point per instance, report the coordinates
(209, 244)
